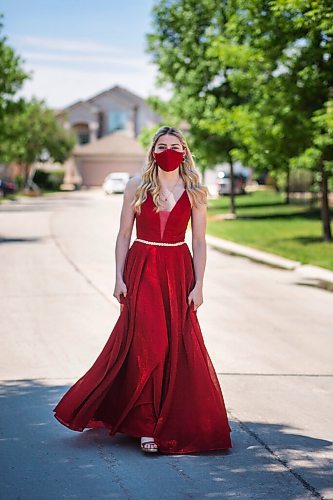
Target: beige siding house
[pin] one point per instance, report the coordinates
(107, 127)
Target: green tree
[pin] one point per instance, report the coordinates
(31, 134)
(180, 46)
(28, 129)
(288, 76)
(257, 74)
(12, 77)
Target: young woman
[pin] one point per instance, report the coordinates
(154, 378)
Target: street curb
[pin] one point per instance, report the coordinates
(318, 276)
(252, 253)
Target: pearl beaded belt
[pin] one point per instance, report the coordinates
(160, 243)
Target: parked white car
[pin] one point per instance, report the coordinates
(115, 182)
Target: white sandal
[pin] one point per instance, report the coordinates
(148, 449)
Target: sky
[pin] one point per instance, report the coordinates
(75, 49)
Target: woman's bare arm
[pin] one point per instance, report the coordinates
(124, 235)
(198, 222)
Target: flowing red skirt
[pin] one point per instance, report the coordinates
(154, 376)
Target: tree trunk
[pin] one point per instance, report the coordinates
(203, 173)
(232, 187)
(25, 167)
(325, 208)
(314, 195)
(287, 201)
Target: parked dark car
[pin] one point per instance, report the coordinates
(7, 187)
(224, 183)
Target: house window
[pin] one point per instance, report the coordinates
(82, 132)
(83, 137)
(117, 120)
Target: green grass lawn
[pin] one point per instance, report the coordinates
(265, 222)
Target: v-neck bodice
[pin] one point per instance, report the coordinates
(166, 226)
(164, 214)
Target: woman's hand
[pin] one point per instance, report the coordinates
(120, 288)
(195, 296)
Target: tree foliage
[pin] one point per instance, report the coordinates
(181, 48)
(28, 129)
(32, 134)
(12, 77)
(255, 74)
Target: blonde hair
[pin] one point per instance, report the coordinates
(187, 171)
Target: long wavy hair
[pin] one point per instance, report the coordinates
(187, 171)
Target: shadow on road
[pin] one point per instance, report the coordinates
(44, 204)
(43, 459)
(19, 240)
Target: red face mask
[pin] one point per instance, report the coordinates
(169, 159)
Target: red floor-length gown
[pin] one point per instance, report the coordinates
(154, 376)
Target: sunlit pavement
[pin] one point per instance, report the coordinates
(268, 333)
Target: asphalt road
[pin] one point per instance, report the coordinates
(269, 335)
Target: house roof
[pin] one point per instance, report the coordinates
(118, 143)
(84, 104)
(118, 91)
(128, 95)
